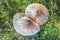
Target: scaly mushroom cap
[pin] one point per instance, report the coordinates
(24, 25)
(38, 12)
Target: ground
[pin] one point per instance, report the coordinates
(49, 31)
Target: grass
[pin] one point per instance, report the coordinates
(49, 31)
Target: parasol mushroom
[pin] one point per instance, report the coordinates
(25, 25)
(28, 24)
(38, 12)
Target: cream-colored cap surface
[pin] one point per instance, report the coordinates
(38, 12)
(24, 25)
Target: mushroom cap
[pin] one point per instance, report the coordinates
(38, 12)
(25, 26)
(18, 15)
